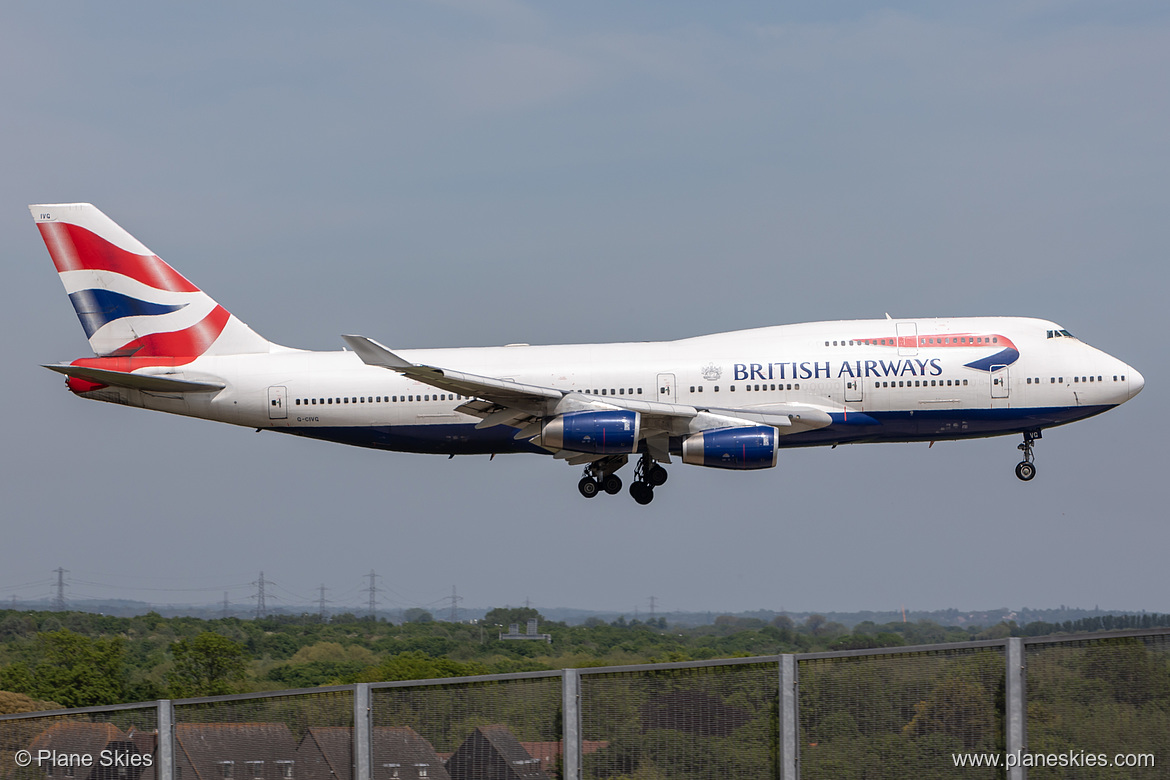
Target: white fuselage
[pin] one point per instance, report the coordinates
(902, 380)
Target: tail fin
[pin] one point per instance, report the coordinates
(129, 301)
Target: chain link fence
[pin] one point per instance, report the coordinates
(872, 714)
(287, 736)
(700, 722)
(507, 726)
(900, 714)
(127, 734)
(1104, 696)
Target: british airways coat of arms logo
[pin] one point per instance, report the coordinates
(712, 372)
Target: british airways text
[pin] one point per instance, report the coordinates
(824, 369)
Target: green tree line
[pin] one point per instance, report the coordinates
(75, 659)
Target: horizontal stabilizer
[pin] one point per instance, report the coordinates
(148, 382)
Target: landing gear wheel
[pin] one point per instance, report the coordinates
(656, 475)
(1025, 469)
(642, 493)
(612, 484)
(589, 487)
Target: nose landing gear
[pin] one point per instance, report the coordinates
(1026, 469)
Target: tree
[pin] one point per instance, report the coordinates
(12, 703)
(78, 671)
(506, 616)
(208, 665)
(417, 615)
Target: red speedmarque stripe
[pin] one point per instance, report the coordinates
(74, 248)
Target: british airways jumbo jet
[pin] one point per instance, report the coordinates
(727, 400)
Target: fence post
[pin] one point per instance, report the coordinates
(571, 724)
(789, 720)
(362, 726)
(165, 754)
(1016, 717)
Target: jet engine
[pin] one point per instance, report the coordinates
(608, 432)
(732, 448)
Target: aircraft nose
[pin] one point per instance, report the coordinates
(1136, 382)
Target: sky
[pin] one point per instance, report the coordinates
(441, 174)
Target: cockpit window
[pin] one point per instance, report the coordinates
(1066, 333)
(1056, 334)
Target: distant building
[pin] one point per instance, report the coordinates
(235, 751)
(493, 753)
(549, 753)
(91, 739)
(397, 753)
(514, 632)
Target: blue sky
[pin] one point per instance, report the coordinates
(447, 174)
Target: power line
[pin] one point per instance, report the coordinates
(322, 603)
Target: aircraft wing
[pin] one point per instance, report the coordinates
(524, 406)
(500, 390)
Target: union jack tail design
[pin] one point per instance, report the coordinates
(131, 303)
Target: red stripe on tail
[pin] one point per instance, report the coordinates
(74, 248)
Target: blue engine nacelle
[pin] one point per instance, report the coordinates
(605, 433)
(732, 448)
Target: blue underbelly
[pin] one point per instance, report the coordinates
(896, 426)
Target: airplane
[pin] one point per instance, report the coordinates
(726, 400)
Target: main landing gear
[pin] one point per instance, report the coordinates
(600, 476)
(647, 476)
(1026, 469)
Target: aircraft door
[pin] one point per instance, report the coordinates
(666, 389)
(852, 389)
(907, 339)
(1000, 387)
(277, 409)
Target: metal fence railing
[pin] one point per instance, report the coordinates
(1089, 706)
